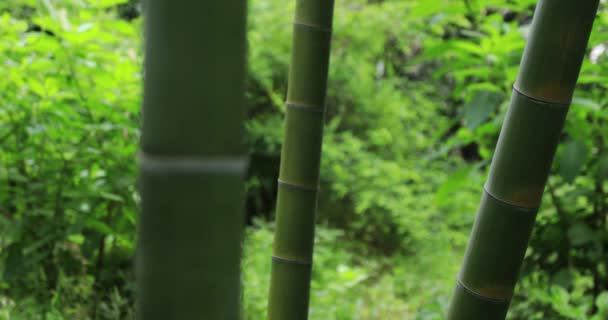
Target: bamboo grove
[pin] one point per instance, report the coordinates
(192, 160)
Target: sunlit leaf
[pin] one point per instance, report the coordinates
(586, 103)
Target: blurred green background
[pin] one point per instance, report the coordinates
(417, 94)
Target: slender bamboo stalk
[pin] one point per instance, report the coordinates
(300, 161)
(522, 161)
(192, 161)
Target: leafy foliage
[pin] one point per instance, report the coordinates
(417, 95)
(69, 134)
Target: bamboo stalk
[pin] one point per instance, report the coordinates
(192, 161)
(522, 161)
(300, 161)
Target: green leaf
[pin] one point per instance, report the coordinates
(106, 3)
(76, 238)
(586, 103)
(111, 196)
(100, 226)
(479, 108)
(85, 27)
(572, 160)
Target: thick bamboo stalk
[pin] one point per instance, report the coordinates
(522, 161)
(192, 161)
(300, 161)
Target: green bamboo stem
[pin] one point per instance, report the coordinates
(192, 161)
(300, 161)
(522, 161)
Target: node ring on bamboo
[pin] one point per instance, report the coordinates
(216, 164)
(298, 186)
(306, 107)
(278, 259)
(539, 99)
(312, 27)
(479, 296)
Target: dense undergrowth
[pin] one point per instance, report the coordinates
(417, 94)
